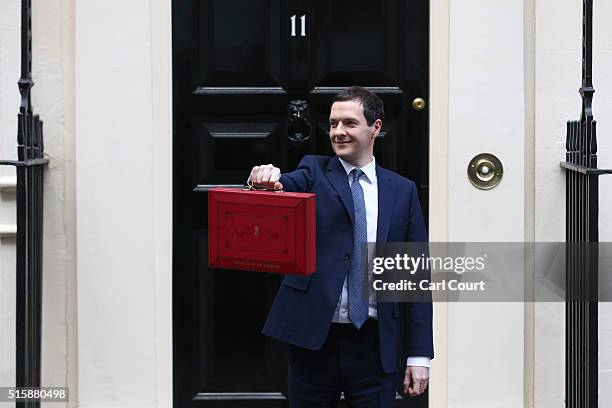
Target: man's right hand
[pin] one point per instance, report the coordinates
(265, 174)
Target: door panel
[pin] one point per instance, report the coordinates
(241, 69)
(355, 42)
(225, 146)
(233, 303)
(239, 43)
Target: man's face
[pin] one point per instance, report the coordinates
(351, 137)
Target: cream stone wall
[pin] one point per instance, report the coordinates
(9, 104)
(486, 114)
(124, 202)
(558, 78)
(512, 85)
(53, 99)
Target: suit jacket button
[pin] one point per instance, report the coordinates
(347, 257)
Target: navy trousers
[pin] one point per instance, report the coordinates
(349, 363)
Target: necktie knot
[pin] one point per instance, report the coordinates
(357, 173)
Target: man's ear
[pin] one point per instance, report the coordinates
(377, 126)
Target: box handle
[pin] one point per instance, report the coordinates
(267, 186)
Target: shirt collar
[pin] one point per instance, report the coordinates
(369, 169)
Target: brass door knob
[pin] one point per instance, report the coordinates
(418, 104)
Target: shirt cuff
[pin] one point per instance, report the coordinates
(418, 361)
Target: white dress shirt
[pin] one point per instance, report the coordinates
(369, 184)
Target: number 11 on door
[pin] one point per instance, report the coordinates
(293, 19)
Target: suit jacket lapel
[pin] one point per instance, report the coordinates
(386, 197)
(338, 178)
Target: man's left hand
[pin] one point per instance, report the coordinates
(415, 380)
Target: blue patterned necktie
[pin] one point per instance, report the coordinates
(358, 304)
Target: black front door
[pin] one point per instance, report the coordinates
(253, 81)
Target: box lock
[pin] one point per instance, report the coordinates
(485, 171)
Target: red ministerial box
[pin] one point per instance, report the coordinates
(263, 231)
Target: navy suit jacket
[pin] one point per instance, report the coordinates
(304, 305)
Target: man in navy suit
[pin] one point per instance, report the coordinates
(339, 341)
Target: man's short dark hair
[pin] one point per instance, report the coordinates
(372, 105)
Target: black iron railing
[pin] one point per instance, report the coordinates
(30, 169)
(581, 232)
